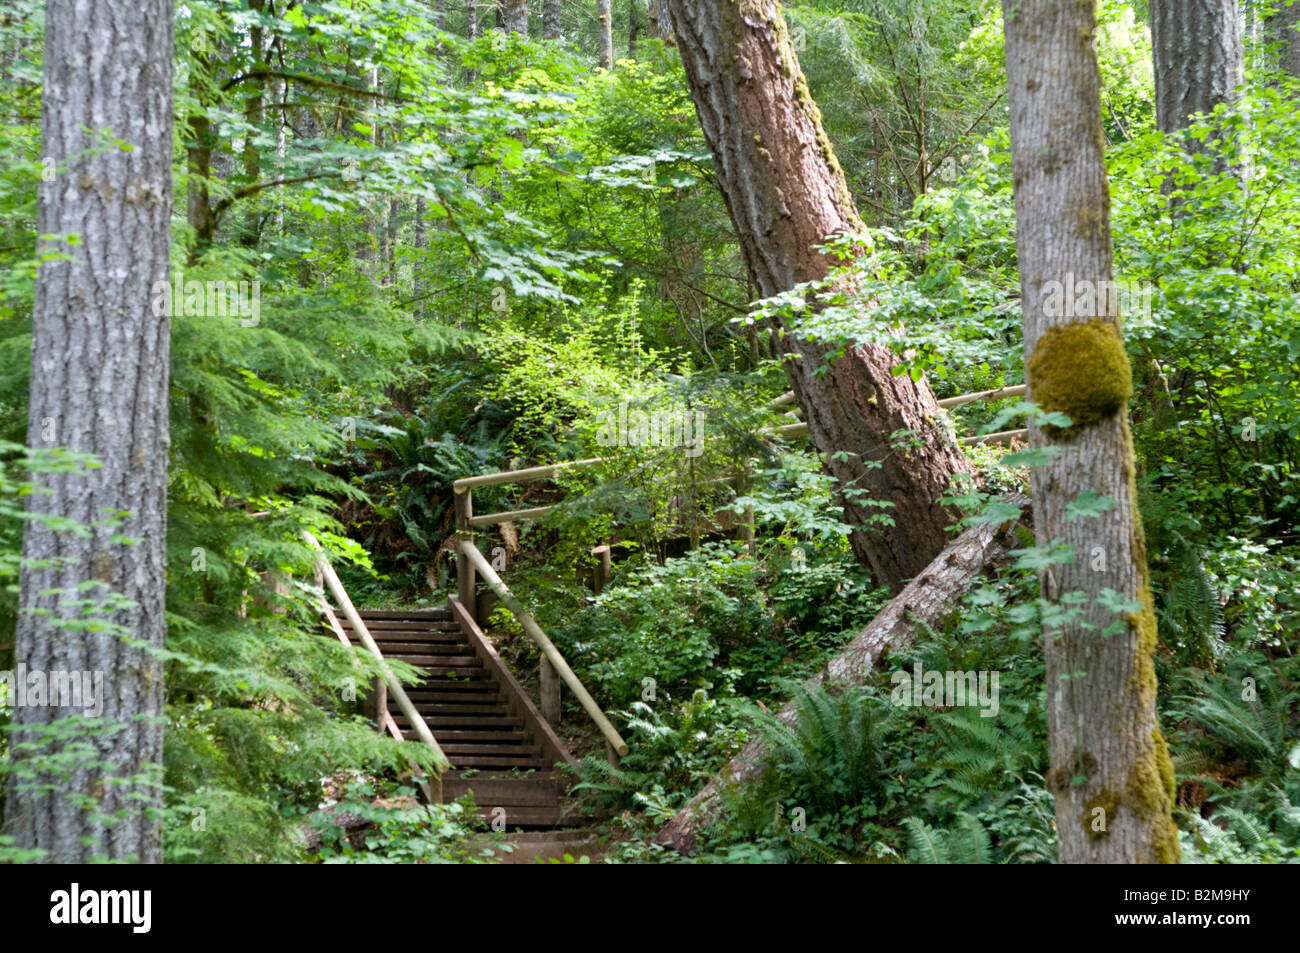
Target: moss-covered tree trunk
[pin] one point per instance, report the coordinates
(786, 194)
(98, 386)
(1110, 769)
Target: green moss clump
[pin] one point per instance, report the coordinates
(1082, 371)
(1109, 804)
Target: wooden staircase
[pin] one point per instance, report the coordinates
(501, 749)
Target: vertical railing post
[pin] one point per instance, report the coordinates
(603, 571)
(466, 581)
(549, 691)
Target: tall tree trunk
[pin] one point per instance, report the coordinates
(605, 20)
(551, 20)
(417, 282)
(516, 16)
(633, 26)
(253, 105)
(1110, 768)
(99, 386)
(471, 27)
(1285, 26)
(786, 194)
(1199, 58)
(663, 21)
(440, 14)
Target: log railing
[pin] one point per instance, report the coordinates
(433, 788)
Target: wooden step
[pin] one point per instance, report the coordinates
(436, 614)
(437, 667)
(459, 661)
(502, 750)
(389, 633)
(512, 736)
(470, 722)
(373, 626)
(553, 815)
(437, 692)
(460, 709)
(439, 649)
(433, 689)
(532, 790)
(481, 731)
(442, 675)
(497, 762)
(434, 699)
(383, 639)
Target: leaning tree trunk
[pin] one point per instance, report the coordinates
(99, 386)
(926, 603)
(551, 20)
(1110, 768)
(605, 23)
(516, 16)
(1199, 58)
(786, 194)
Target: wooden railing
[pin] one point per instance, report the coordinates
(550, 654)
(431, 789)
(470, 563)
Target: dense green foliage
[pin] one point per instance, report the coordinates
(470, 254)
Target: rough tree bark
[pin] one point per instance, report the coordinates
(786, 194)
(928, 600)
(1110, 769)
(516, 16)
(551, 20)
(663, 22)
(99, 386)
(1199, 58)
(605, 21)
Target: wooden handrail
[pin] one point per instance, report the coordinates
(1019, 390)
(519, 476)
(490, 519)
(548, 649)
(418, 724)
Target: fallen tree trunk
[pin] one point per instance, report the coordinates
(928, 600)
